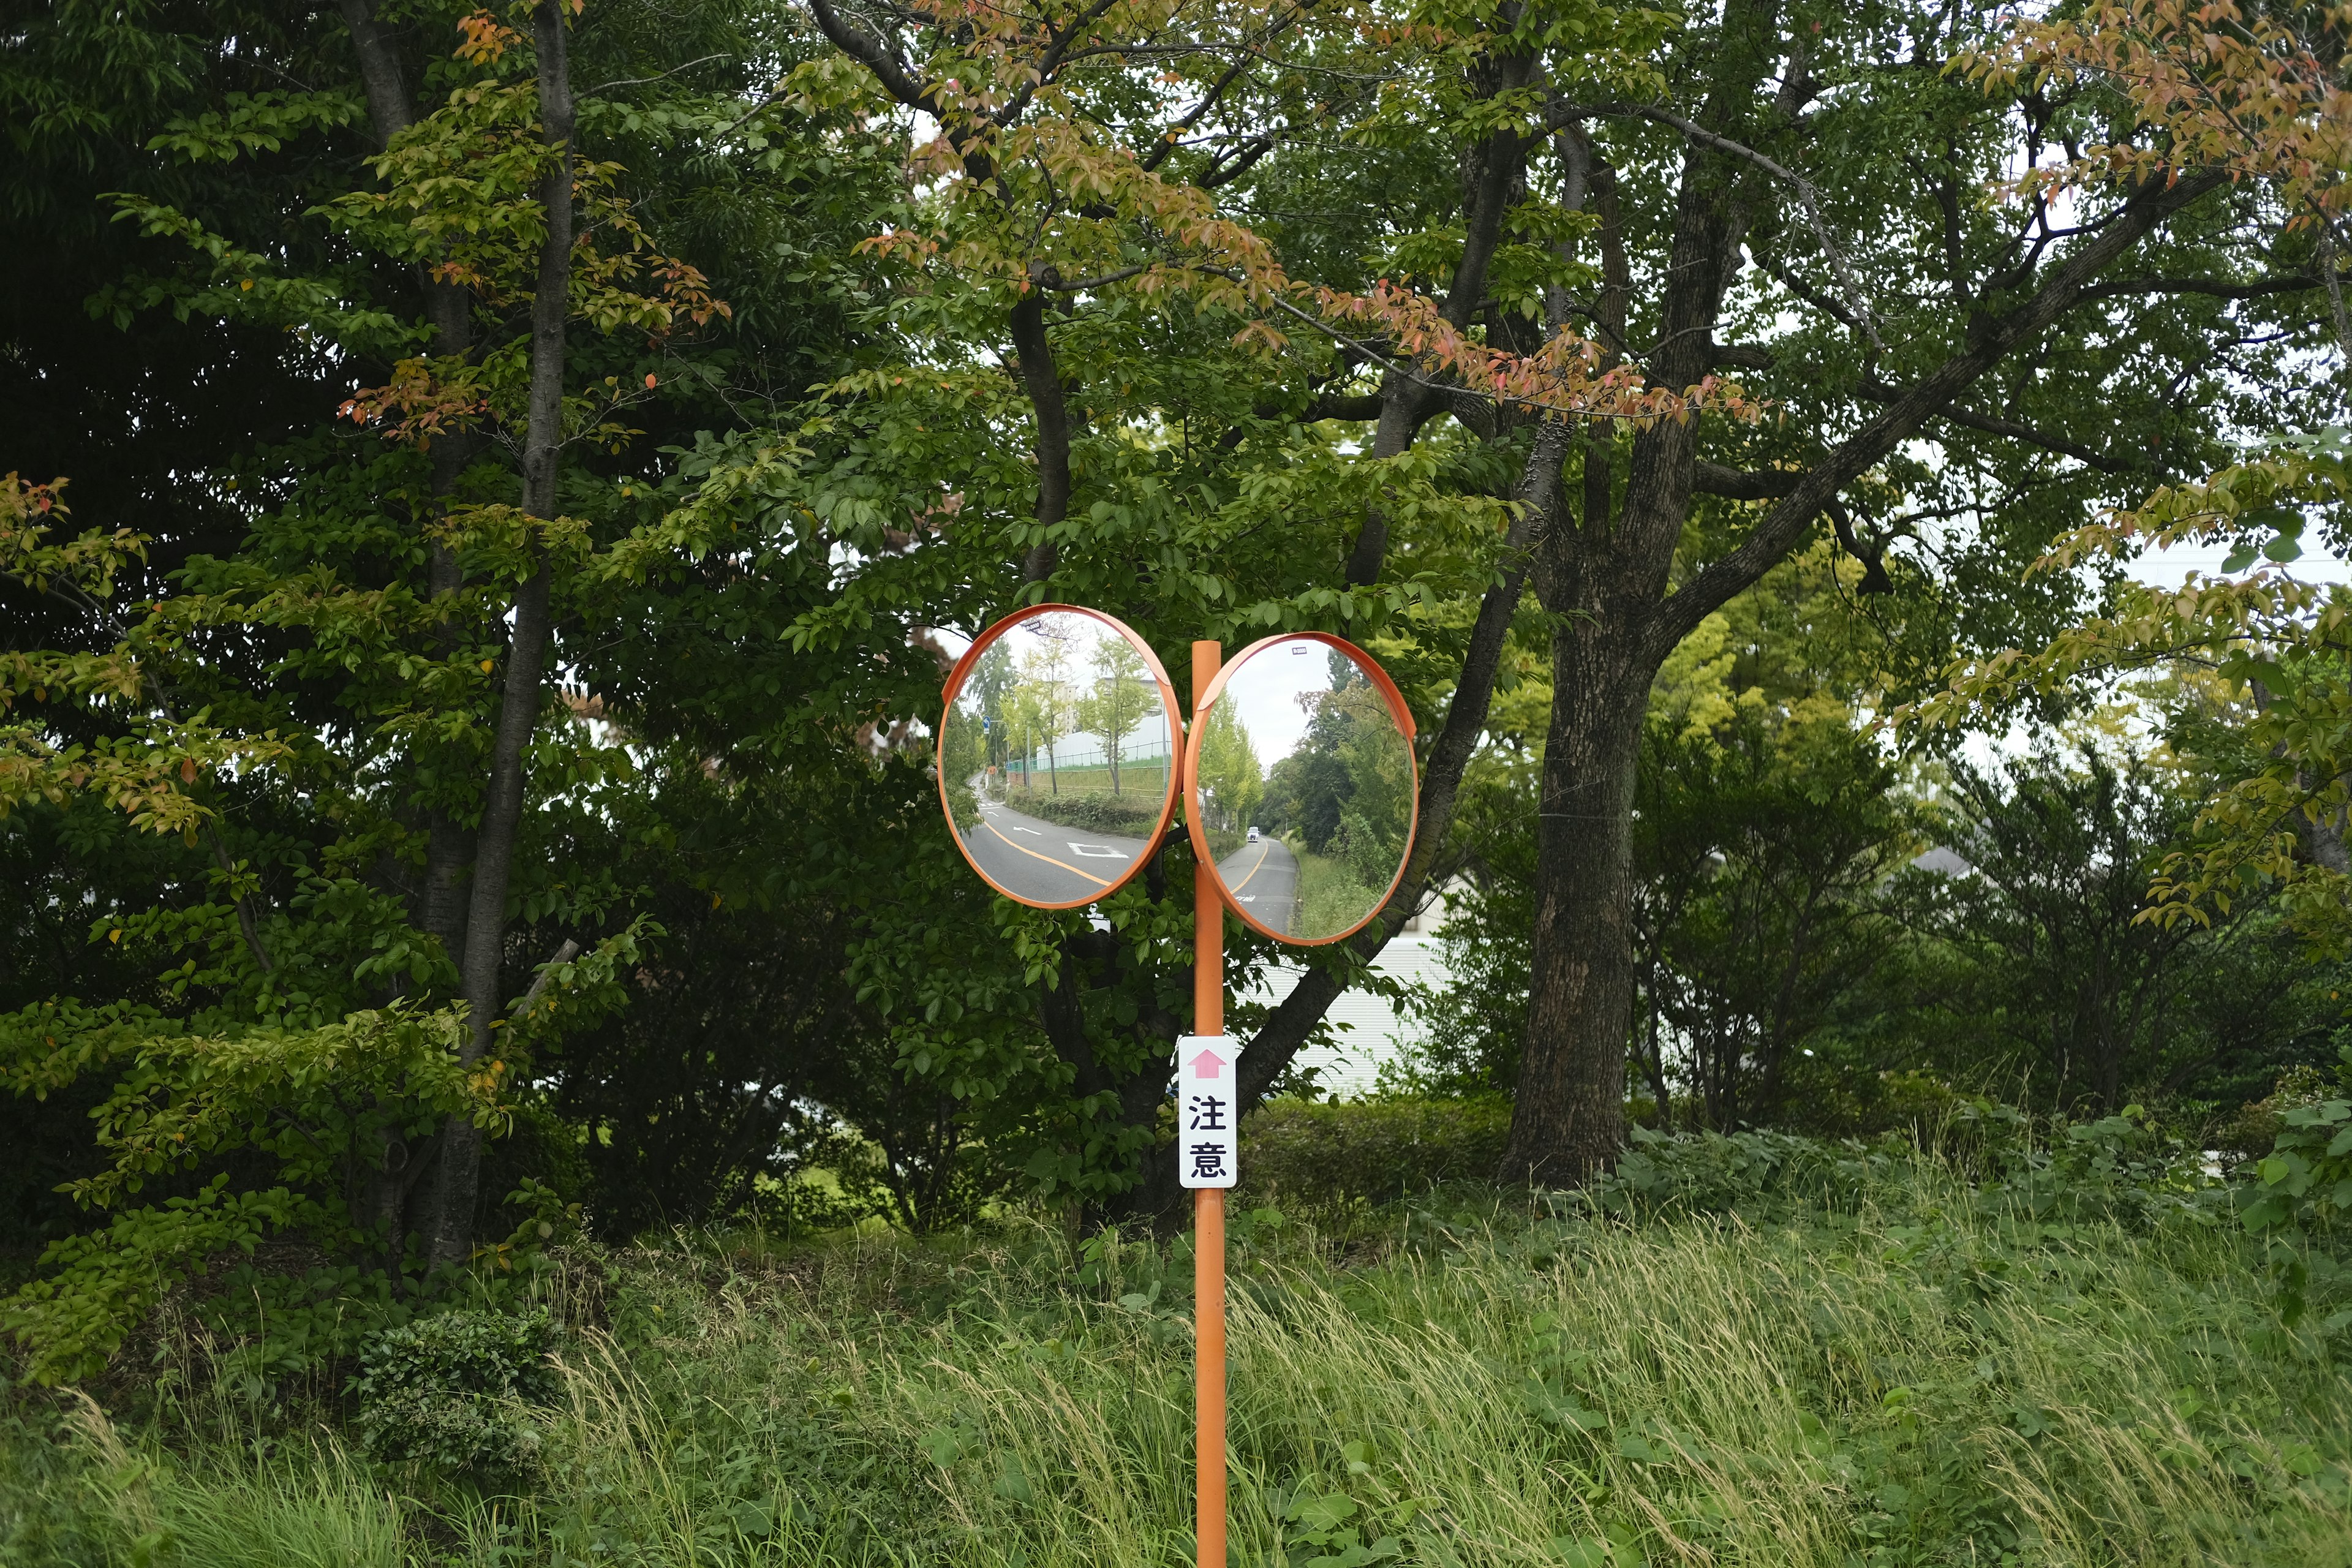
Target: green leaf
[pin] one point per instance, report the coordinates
(1322, 1513)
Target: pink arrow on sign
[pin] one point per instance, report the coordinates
(1207, 1064)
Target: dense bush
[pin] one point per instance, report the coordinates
(1299, 1153)
(2123, 1168)
(447, 1391)
(1131, 816)
(1929, 1370)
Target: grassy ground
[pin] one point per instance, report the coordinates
(1330, 896)
(1910, 1374)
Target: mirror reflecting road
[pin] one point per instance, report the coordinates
(1306, 788)
(1056, 756)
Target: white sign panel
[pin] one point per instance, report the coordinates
(1208, 1111)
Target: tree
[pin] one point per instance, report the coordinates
(1733, 203)
(1179, 365)
(313, 705)
(1762, 850)
(2061, 850)
(1120, 699)
(1231, 778)
(1770, 825)
(2255, 99)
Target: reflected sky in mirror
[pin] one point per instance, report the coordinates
(1056, 757)
(1305, 790)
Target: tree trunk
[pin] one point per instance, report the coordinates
(438, 908)
(1041, 377)
(459, 1171)
(1569, 1118)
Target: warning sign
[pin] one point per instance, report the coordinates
(1208, 1105)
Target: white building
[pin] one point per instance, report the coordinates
(1144, 745)
(1371, 1033)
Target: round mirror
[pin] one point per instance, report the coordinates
(1300, 783)
(1056, 756)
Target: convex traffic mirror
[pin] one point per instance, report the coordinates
(1300, 786)
(1057, 755)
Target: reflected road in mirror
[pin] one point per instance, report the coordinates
(1042, 862)
(1056, 758)
(1264, 880)
(1306, 781)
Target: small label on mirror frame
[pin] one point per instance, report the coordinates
(1208, 1111)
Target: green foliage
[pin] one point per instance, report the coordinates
(2307, 1176)
(2268, 645)
(1907, 1366)
(316, 1108)
(106, 1283)
(1303, 1154)
(2303, 1184)
(791, 455)
(447, 1391)
(300, 679)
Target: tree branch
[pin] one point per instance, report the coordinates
(1151, 160)
(1489, 201)
(1874, 391)
(563, 956)
(2211, 288)
(1343, 406)
(1042, 382)
(1808, 199)
(1989, 340)
(875, 56)
(1742, 484)
(1285, 1029)
(1057, 46)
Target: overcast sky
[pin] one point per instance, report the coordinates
(2169, 568)
(1266, 690)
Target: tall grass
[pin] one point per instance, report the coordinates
(1912, 1377)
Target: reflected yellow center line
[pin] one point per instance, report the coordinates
(1263, 851)
(1049, 860)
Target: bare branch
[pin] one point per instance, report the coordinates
(2214, 287)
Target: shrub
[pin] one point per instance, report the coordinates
(2305, 1181)
(2254, 1130)
(1131, 816)
(2120, 1168)
(447, 1390)
(1299, 1152)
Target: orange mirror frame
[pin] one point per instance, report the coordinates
(1034, 859)
(1196, 828)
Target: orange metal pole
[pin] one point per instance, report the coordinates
(1209, 1202)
